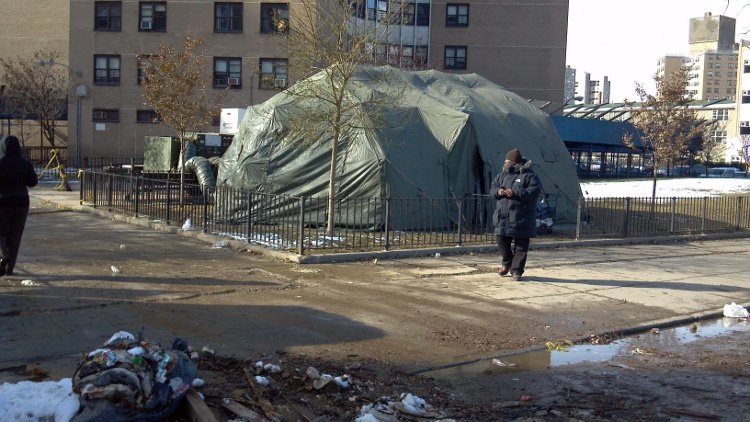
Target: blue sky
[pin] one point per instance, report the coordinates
(624, 39)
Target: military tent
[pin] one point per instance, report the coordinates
(443, 138)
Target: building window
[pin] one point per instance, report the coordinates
(228, 17)
(721, 114)
(153, 17)
(273, 74)
(457, 15)
(420, 56)
(455, 57)
(358, 8)
(107, 69)
(423, 14)
(147, 116)
(227, 72)
(274, 18)
(408, 13)
(108, 16)
(105, 115)
(719, 135)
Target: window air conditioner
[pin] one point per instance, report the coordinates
(233, 81)
(280, 83)
(147, 24)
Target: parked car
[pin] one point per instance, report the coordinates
(724, 172)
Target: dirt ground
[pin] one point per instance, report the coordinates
(378, 324)
(702, 380)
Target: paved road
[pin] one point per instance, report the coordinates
(414, 312)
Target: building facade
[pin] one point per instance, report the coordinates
(519, 45)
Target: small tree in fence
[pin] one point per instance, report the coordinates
(175, 85)
(36, 89)
(326, 39)
(664, 121)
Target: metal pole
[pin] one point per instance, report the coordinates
(78, 132)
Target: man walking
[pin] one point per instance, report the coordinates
(516, 190)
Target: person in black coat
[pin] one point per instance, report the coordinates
(516, 190)
(16, 176)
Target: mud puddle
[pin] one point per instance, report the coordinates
(655, 341)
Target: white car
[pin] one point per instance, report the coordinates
(725, 172)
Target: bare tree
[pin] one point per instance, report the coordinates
(711, 142)
(328, 42)
(37, 89)
(664, 121)
(175, 85)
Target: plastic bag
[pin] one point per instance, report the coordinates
(735, 311)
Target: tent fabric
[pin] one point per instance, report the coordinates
(444, 137)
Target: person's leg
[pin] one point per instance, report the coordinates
(15, 232)
(506, 253)
(519, 256)
(5, 222)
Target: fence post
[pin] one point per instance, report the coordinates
(673, 215)
(738, 213)
(169, 200)
(95, 176)
(137, 195)
(387, 225)
(703, 214)
(249, 215)
(205, 209)
(460, 219)
(82, 186)
(110, 188)
(627, 218)
(301, 239)
(579, 210)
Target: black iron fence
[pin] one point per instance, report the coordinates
(364, 224)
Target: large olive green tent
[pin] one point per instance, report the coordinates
(444, 137)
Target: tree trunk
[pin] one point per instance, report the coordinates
(332, 183)
(182, 168)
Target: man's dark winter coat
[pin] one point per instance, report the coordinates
(516, 216)
(16, 174)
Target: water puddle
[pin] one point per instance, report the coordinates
(667, 339)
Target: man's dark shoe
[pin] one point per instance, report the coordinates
(504, 269)
(3, 266)
(517, 277)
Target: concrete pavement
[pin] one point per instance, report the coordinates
(362, 308)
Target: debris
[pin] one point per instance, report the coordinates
(498, 362)
(639, 351)
(114, 269)
(241, 411)
(29, 283)
(122, 246)
(735, 311)
(188, 225)
(562, 346)
(208, 351)
(220, 244)
(198, 383)
(262, 380)
(693, 327)
(655, 331)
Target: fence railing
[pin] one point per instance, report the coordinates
(364, 224)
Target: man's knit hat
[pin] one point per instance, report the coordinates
(513, 155)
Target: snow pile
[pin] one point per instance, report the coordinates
(666, 188)
(34, 401)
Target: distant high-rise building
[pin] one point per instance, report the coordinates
(595, 91)
(569, 92)
(711, 33)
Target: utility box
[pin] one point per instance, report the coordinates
(160, 153)
(230, 120)
(212, 144)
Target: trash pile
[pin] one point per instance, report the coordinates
(299, 387)
(131, 378)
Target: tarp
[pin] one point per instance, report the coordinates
(444, 136)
